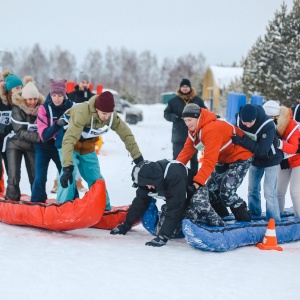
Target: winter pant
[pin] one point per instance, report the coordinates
(270, 191)
(177, 147)
(14, 159)
(43, 154)
(286, 177)
(224, 182)
(89, 168)
(200, 209)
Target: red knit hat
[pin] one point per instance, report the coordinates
(105, 102)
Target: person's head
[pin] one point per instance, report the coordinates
(147, 174)
(185, 86)
(13, 83)
(248, 114)
(272, 109)
(30, 93)
(191, 114)
(83, 81)
(104, 105)
(58, 91)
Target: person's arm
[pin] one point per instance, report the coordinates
(169, 114)
(187, 151)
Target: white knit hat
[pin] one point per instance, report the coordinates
(272, 108)
(30, 91)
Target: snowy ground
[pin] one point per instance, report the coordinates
(92, 264)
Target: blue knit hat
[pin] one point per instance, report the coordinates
(11, 81)
(248, 113)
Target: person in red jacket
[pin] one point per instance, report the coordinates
(289, 172)
(224, 164)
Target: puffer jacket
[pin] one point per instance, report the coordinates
(215, 136)
(79, 96)
(80, 118)
(173, 113)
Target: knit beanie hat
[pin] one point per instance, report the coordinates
(248, 113)
(191, 110)
(29, 90)
(105, 102)
(58, 87)
(83, 76)
(272, 108)
(11, 81)
(185, 81)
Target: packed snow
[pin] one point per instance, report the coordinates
(92, 264)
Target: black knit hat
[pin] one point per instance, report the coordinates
(191, 110)
(248, 113)
(185, 81)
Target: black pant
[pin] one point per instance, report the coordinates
(177, 147)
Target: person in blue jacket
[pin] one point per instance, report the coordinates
(260, 134)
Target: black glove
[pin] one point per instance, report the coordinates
(120, 229)
(138, 160)
(175, 118)
(298, 151)
(159, 241)
(192, 189)
(236, 139)
(67, 176)
(61, 123)
(284, 164)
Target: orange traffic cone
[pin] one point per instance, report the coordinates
(270, 241)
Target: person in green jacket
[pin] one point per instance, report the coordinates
(87, 122)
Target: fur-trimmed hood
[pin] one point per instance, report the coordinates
(283, 120)
(187, 97)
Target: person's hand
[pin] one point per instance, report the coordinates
(236, 139)
(120, 229)
(277, 142)
(138, 160)
(175, 118)
(159, 241)
(67, 176)
(61, 122)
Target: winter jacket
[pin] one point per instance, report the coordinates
(48, 116)
(296, 112)
(171, 181)
(288, 131)
(265, 154)
(215, 136)
(81, 118)
(173, 113)
(5, 114)
(79, 96)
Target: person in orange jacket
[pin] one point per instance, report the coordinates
(224, 164)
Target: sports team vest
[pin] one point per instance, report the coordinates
(285, 155)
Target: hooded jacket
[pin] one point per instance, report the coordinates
(80, 118)
(5, 105)
(79, 96)
(214, 135)
(173, 113)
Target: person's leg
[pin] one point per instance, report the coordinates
(29, 163)
(177, 147)
(282, 185)
(89, 169)
(68, 193)
(295, 190)
(270, 193)
(254, 188)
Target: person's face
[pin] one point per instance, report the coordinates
(57, 99)
(248, 124)
(84, 84)
(16, 88)
(103, 116)
(31, 102)
(185, 89)
(191, 123)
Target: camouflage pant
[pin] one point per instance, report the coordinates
(225, 180)
(200, 209)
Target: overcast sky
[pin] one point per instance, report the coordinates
(222, 30)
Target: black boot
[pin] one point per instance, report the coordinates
(241, 213)
(220, 208)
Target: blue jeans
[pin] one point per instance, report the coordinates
(270, 191)
(43, 154)
(89, 169)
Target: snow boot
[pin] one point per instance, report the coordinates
(241, 213)
(220, 208)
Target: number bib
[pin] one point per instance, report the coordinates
(5, 117)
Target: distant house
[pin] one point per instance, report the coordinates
(216, 79)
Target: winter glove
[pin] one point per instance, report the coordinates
(120, 229)
(284, 164)
(175, 118)
(138, 160)
(159, 241)
(192, 188)
(61, 123)
(67, 176)
(236, 139)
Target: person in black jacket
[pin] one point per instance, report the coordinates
(82, 92)
(21, 141)
(172, 182)
(260, 138)
(173, 113)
